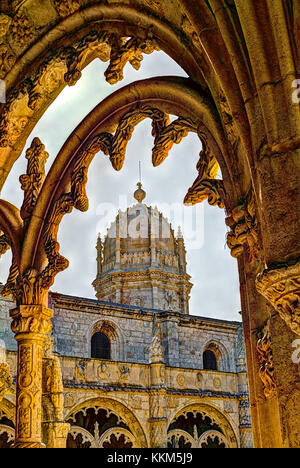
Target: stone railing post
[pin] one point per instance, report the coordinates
(31, 325)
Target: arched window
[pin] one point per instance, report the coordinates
(210, 360)
(100, 346)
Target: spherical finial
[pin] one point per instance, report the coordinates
(139, 194)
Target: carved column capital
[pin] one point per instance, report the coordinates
(282, 289)
(31, 319)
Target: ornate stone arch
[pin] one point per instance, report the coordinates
(175, 435)
(215, 415)
(117, 432)
(221, 353)
(76, 47)
(113, 333)
(213, 435)
(118, 408)
(58, 195)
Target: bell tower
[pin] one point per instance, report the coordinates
(141, 262)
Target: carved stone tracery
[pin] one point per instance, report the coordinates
(4, 244)
(32, 181)
(62, 67)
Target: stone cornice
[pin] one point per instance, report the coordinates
(169, 391)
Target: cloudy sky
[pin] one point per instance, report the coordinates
(213, 270)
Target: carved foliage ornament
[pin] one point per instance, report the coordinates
(64, 66)
(265, 357)
(113, 145)
(32, 181)
(206, 186)
(282, 289)
(244, 228)
(26, 290)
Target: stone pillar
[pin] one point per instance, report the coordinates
(158, 407)
(273, 377)
(31, 325)
(55, 430)
(254, 312)
(246, 437)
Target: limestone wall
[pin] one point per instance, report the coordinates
(183, 338)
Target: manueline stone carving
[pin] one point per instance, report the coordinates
(206, 186)
(63, 65)
(96, 43)
(265, 357)
(172, 134)
(32, 181)
(244, 229)
(126, 127)
(281, 287)
(128, 50)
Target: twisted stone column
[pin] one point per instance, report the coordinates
(31, 325)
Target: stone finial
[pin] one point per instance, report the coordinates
(140, 194)
(179, 234)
